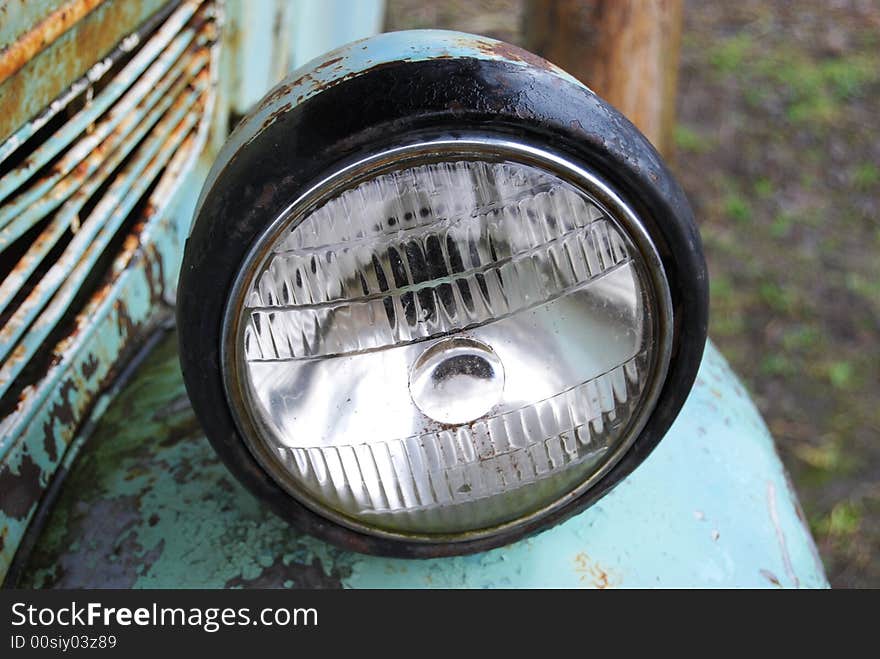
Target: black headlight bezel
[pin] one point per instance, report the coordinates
(400, 103)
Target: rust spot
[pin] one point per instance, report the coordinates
(155, 280)
(510, 52)
(131, 242)
(126, 326)
(63, 410)
(593, 573)
(19, 353)
(278, 92)
(28, 45)
(312, 85)
(273, 116)
(329, 62)
(49, 444)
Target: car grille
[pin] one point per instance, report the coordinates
(80, 181)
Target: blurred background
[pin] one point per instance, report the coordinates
(772, 130)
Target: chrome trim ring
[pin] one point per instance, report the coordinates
(469, 146)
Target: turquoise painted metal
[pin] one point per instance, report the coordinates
(149, 505)
(359, 57)
(40, 433)
(146, 502)
(66, 53)
(98, 168)
(159, 141)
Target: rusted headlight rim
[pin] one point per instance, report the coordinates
(474, 146)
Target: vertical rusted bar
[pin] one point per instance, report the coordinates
(625, 50)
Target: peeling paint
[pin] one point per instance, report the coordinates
(41, 427)
(30, 86)
(21, 487)
(780, 534)
(592, 573)
(149, 460)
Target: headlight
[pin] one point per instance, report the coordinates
(434, 302)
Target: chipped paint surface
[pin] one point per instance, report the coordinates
(149, 499)
(365, 55)
(31, 85)
(148, 504)
(18, 53)
(171, 131)
(40, 435)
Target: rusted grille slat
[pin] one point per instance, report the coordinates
(92, 274)
(81, 187)
(69, 272)
(89, 78)
(91, 174)
(45, 32)
(114, 89)
(161, 51)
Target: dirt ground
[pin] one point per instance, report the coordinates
(778, 148)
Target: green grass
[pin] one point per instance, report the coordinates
(843, 521)
(801, 338)
(814, 89)
(730, 54)
(764, 188)
(840, 374)
(737, 207)
(778, 298)
(690, 141)
(864, 286)
(781, 225)
(778, 365)
(866, 175)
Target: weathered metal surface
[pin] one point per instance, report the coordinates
(36, 436)
(267, 60)
(95, 170)
(78, 87)
(45, 305)
(17, 17)
(357, 58)
(279, 36)
(149, 505)
(68, 274)
(316, 27)
(153, 61)
(168, 121)
(15, 55)
(73, 52)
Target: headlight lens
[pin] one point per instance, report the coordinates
(447, 339)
